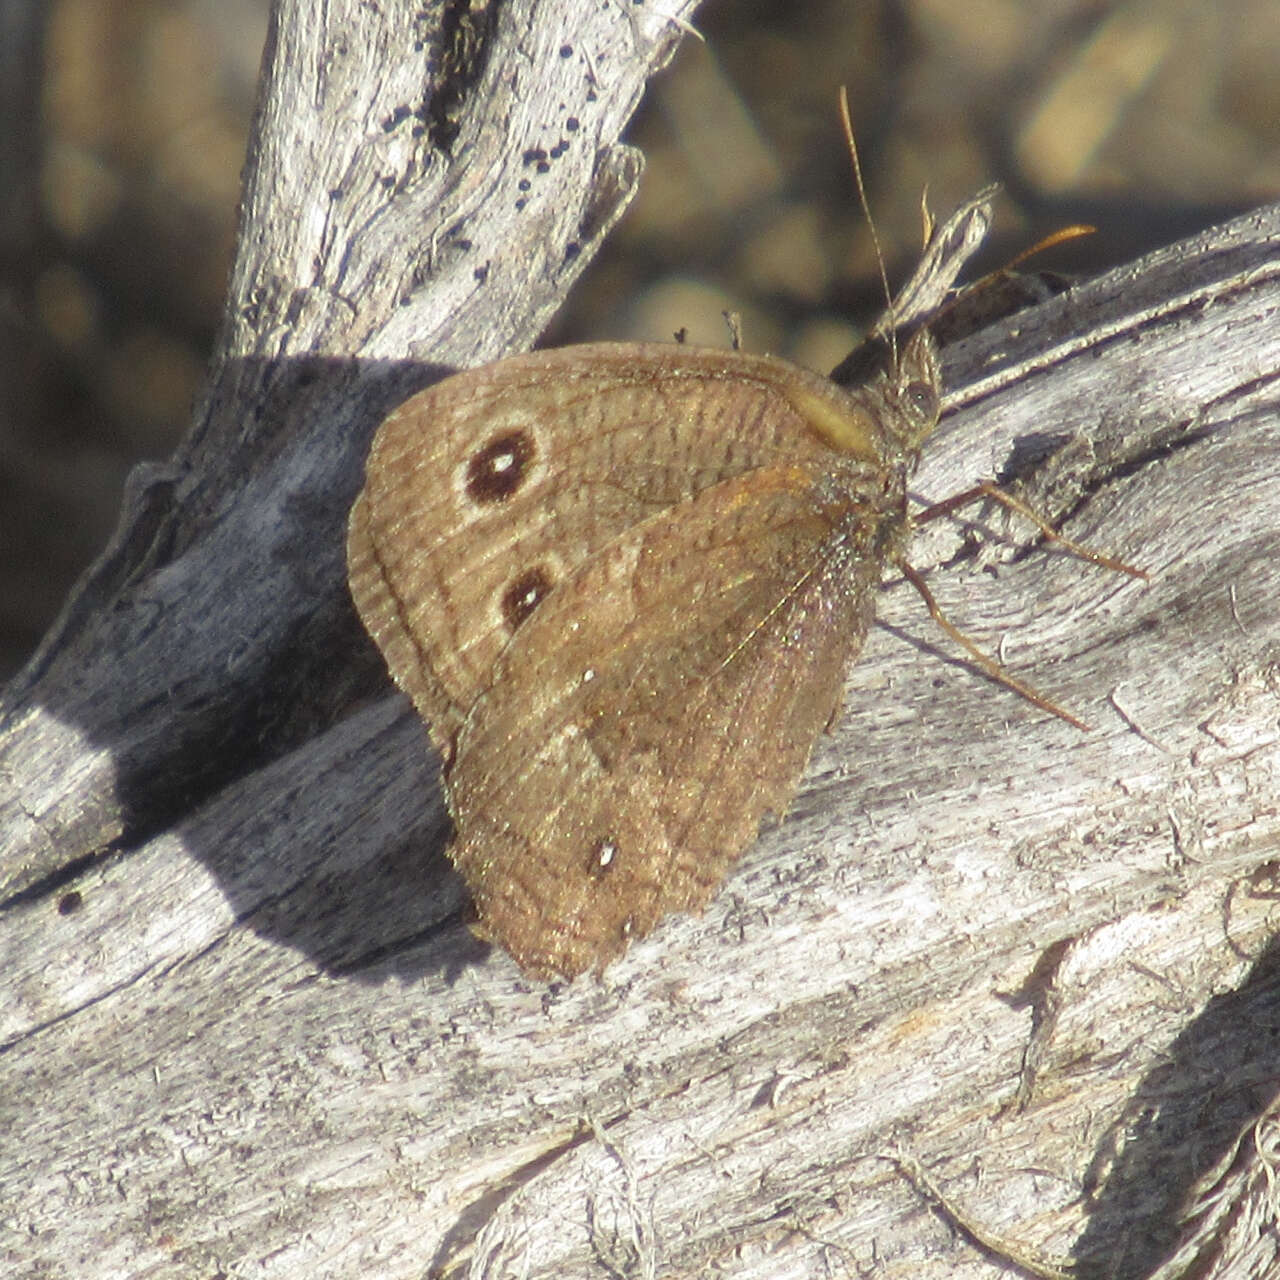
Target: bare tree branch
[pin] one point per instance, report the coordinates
(246, 1028)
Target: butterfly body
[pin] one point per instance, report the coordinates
(621, 583)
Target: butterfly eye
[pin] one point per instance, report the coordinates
(923, 399)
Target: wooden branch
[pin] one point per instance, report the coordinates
(206, 640)
(246, 1028)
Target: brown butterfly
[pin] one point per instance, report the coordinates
(621, 584)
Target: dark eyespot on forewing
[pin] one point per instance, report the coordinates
(524, 594)
(499, 468)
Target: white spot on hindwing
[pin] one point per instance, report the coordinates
(604, 854)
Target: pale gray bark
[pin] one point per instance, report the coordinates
(246, 1029)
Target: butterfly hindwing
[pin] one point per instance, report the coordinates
(654, 708)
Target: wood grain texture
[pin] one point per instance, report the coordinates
(247, 1031)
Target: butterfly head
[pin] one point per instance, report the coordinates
(912, 398)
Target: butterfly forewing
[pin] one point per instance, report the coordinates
(487, 490)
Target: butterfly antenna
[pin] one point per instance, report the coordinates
(1061, 236)
(847, 123)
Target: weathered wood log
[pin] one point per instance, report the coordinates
(995, 993)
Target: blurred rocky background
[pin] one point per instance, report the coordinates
(1150, 120)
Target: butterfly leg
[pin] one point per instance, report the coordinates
(993, 491)
(986, 663)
